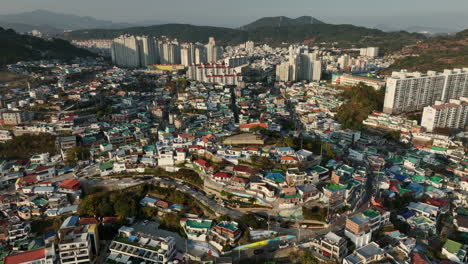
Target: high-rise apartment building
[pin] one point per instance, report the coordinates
(170, 52)
(369, 51)
(213, 52)
(131, 51)
(147, 50)
(408, 92)
(200, 54)
(301, 67)
(453, 114)
(125, 51)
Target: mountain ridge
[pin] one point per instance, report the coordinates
(343, 35)
(281, 21)
(52, 22)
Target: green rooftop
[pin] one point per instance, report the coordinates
(452, 246)
(334, 187)
(205, 224)
(106, 166)
(371, 213)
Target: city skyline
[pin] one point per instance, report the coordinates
(390, 14)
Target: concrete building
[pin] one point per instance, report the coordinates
(408, 92)
(359, 227)
(148, 53)
(330, 247)
(453, 114)
(132, 247)
(369, 52)
(125, 51)
(214, 73)
(17, 117)
(300, 67)
(77, 244)
(351, 80)
(213, 52)
(366, 254)
(35, 256)
(169, 52)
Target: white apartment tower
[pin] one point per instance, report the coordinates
(302, 67)
(369, 51)
(125, 51)
(453, 114)
(170, 53)
(408, 92)
(147, 50)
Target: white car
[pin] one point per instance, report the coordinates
(284, 245)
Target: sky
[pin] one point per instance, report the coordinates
(234, 13)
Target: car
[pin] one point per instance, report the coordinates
(273, 249)
(284, 245)
(258, 251)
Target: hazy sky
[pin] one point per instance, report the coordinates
(435, 13)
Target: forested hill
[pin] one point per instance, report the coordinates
(281, 21)
(341, 35)
(15, 47)
(436, 53)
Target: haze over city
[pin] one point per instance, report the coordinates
(451, 14)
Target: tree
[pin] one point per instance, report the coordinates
(77, 153)
(361, 101)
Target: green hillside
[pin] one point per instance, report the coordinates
(437, 54)
(281, 21)
(16, 47)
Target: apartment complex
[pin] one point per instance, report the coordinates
(369, 52)
(453, 114)
(408, 92)
(300, 67)
(140, 51)
(218, 73)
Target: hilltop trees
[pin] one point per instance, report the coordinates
(361, 101)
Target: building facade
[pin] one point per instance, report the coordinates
(408, 92)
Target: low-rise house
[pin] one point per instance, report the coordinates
(455, 251)
(330, 247)
(196, 229)
(40, 255)
(225, 233)
(366, 254)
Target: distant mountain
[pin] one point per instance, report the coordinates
(340, 35)
(15, 47)
(281, 21)
(51, 22)
(416, 29)
(436, 53)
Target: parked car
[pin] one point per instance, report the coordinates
(258, 251)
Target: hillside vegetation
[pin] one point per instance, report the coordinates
(437, 54)
(361, 101)
(16, 47)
